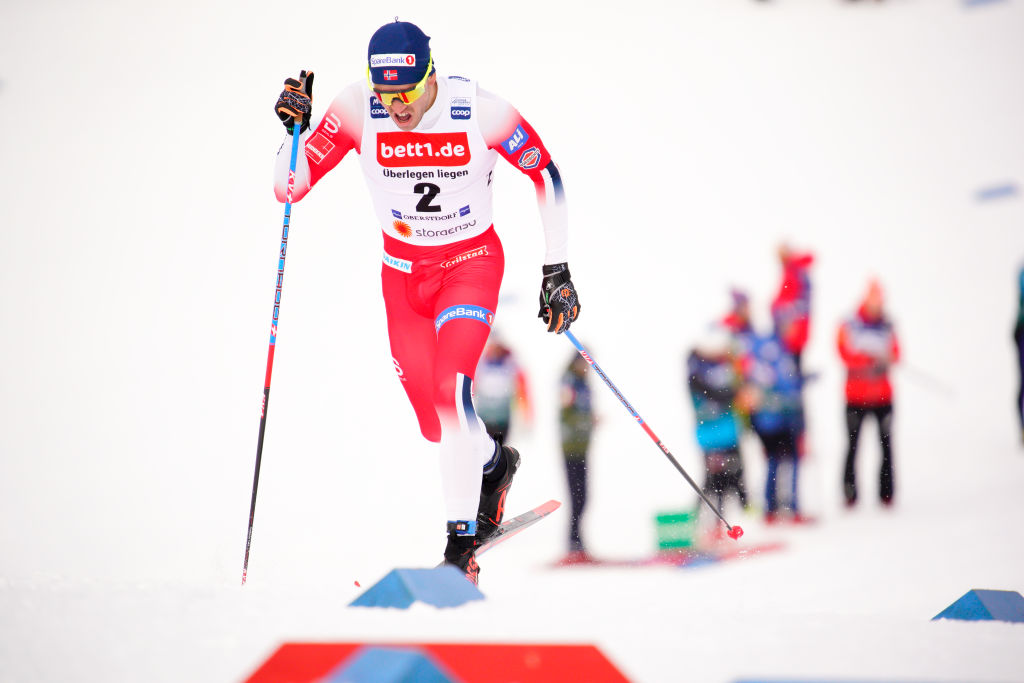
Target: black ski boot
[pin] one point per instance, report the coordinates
(461, 552)
(493, 490)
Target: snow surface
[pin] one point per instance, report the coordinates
(141, 238)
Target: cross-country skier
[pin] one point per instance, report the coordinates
(427, 146)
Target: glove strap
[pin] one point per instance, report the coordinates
(555, 275)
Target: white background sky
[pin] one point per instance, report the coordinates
(693, 137)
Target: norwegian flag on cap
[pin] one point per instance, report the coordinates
(398, 52)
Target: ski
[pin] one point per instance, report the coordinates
(511, 527)
(685, 558)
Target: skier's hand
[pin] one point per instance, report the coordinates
(296, 101)
(559, 304)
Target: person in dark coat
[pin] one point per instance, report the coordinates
(1018, 338)
(576, 420)
(713, 383)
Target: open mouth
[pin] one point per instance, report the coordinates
(404, 117)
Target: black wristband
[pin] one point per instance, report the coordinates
(555, 275)
(555, 268)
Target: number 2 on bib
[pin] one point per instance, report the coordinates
(429, 191)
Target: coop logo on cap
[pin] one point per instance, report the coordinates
(380, 61)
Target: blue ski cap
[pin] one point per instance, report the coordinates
(398, 54)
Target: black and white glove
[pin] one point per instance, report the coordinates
(296, 101)
(559, 305)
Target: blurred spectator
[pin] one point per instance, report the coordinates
(576, 418)
(868, 347)
(1018, 336)
(772, 397)
(737, 324)
(737, 321)
(500, 389)
(714, 383)
(791, 308)
(777, 417)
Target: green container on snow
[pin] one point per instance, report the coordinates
(676, 529)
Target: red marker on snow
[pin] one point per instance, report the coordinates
(735, 532)
(357, 584)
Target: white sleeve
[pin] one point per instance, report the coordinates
(342, 125)
(499, 121)
(283, 163)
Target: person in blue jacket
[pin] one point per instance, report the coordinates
(777, 417)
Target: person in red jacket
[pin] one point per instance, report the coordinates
(868, 347)
(791, 307)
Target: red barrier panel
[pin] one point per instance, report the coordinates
(471, 662)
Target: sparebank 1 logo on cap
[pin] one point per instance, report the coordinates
(380, 61)
(516, 140)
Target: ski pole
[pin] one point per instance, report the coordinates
(273, 337)
(735, 531)
(925, 379)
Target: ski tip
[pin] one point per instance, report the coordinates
(549, 506)
(735, 532)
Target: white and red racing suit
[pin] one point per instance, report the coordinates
(442, 260)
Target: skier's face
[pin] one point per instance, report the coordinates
(408, 115)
